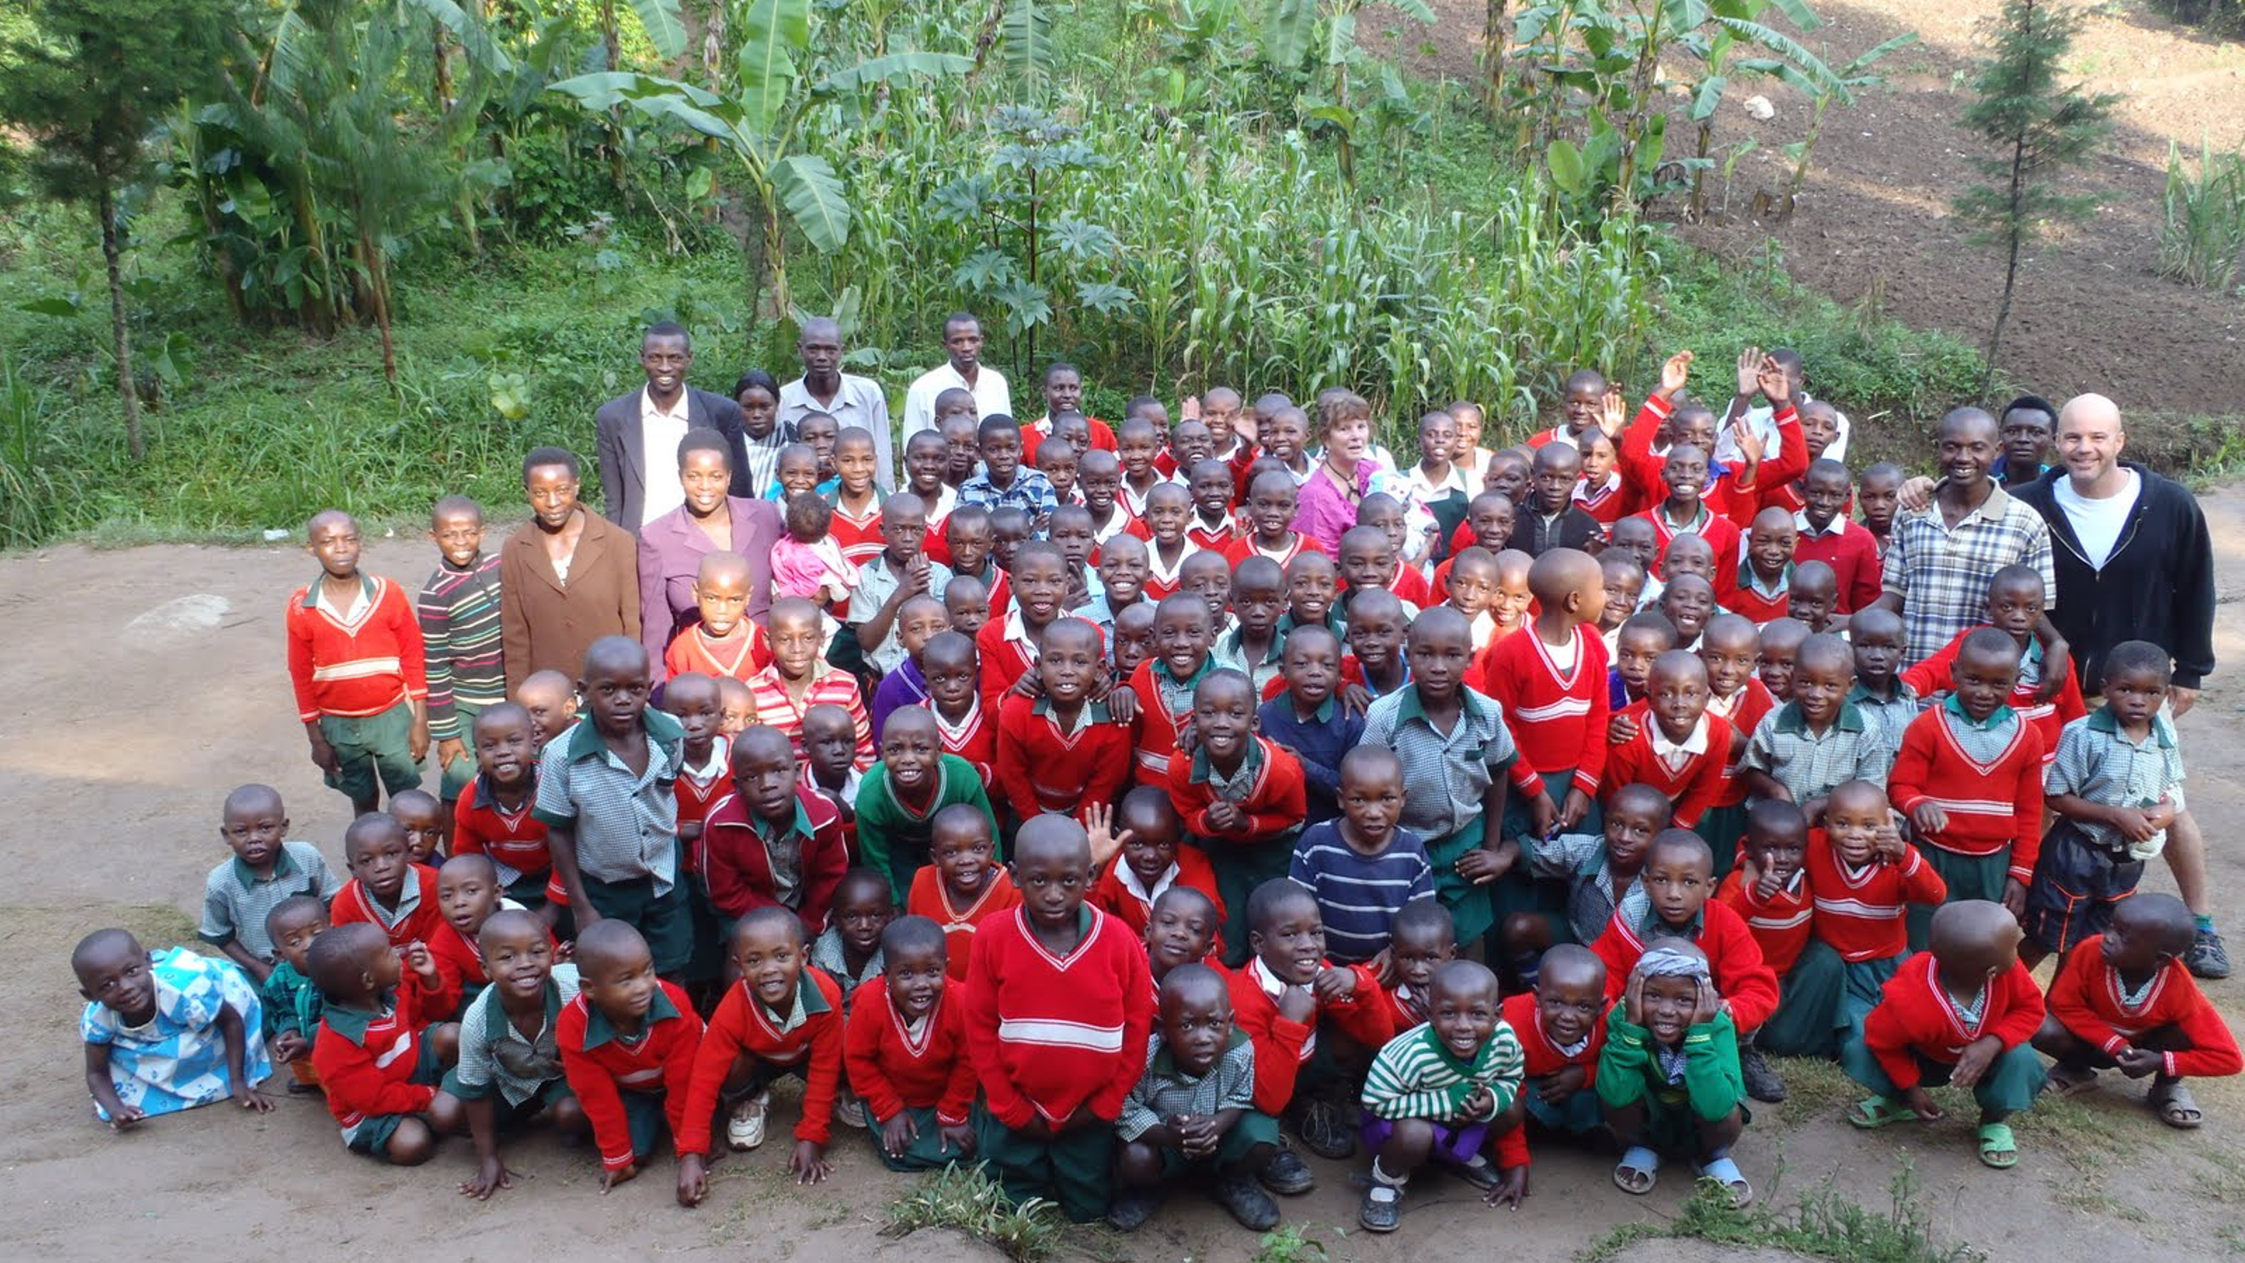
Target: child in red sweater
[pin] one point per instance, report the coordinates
(1677, 748)
(1058, 1011)
(783, 1017)
(1150, 861)
(773, 841)
(1161, 688)
(467, 894)
(378, 1060)
(725, 643)
(1006, 647)
(627, 1044)
(493, 816)
(1970, 779)
(963, 885)
(1241, 797)
(2046, 693)
(1561, 1034)
(1289, 998)
(1421, 937)
(1059, 751)
(386, 888)
(1763, 589)
(1960, 1014)
(1730, 646)
(906, 1053)
(2123, 1000)
(968, 729)
(1552, 684)
(1865, 879)
(1771, 891)
(355, 658)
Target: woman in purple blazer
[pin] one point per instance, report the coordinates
(671, 547)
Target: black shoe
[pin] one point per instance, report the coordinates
(1480, 1173)
(1382, 1209)
(2207, 958)
(1325, 1130)
(1251, 1206)
(1131, 1210)
(1762, 1083)
(1286, 1174)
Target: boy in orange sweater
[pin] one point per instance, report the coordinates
(355, 658)
(1771, 890)
(784, 1017)
(906, 1052)
(1865, 879)
(1059, 1008)
(962, 884)
(1241, 797)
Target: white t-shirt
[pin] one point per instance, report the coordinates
(991, 395)
(2097, 523)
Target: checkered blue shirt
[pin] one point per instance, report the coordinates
(2097, 761)
(1942, 572)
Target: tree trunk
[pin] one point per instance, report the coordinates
(127, 389)
(1492, 56)
(2014, 231)
(372, 267)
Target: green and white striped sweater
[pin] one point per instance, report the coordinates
(1416, 1076)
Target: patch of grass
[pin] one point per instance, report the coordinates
(1813, 1089)
(1294, 1243)
(964, 1199)
(2202, 230)
(1821, 1224)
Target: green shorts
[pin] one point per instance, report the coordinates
(373, 753)
(510, 1113)
(927, 1152)
(2010, 1084)
(665, 920)
(462, 773)
(371, 1135)
(1254, 1130)
(1967, 876)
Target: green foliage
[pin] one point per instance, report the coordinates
(1291, 1244)
(36, 489)
(964, 1199)
(2220, 17)
(1822, 1224)
(2037, 128)
(2202, 235)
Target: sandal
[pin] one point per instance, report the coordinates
(2175, 1106)
(2061, 1083)
(1725, 1172)
(1878, 1111)
(1997, 1148)
(1638, 1170)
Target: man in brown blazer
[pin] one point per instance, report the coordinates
(567, 577)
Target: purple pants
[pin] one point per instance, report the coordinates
(1457, 1146)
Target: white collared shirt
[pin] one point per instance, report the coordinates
(1837, 526)
(1673, 753)
(659, 434)
(857, 401)
(991, 395)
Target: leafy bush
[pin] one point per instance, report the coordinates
(2202, 236)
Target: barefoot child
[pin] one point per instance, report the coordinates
(379, 1057)
(510, 1054)
(2123, 1000)
(1668, 1075)
(627, 1049)
(904, 1050)
(166, 1032)
(357, 660)
(267, 870)
(1435, 1090)
(1959, 1014)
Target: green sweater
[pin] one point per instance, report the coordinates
(1417, 1076)
(1629, 1071)
(892, 839)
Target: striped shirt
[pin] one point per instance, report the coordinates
(1165, 1091)
(830, 685)
(626, 824)
(494, 1053)
(459, 613)
(1941, 572)
(1358, 895)
(1811, 765)
(236, 900)
(1417, 1076)
(2098, 762)
(1446, 777)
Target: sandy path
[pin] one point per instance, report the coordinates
(117, 744)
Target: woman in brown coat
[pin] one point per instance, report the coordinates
(567, 577)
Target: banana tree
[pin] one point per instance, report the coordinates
(1317, 39)
(759, 120)
(1847, 80)
(1727, 27)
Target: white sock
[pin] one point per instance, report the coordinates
(1381, 1177)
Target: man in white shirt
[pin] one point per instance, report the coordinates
(964, 369)
(637, 435)
(846, 397)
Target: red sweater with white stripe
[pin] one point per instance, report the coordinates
(930, 898)
(1043, 768)
(1758, 607)
(1779, 923)
(743, 1025)
(1155, 724)
(1744, 711)
(1991, 806)
(1557, 718)
(359, 667)
(1276, 800)
(1282, 1045)
(973, 738)
(1640, 466)
(1742, 976)
(895, 1070)
(1694, 786)
(372, 1073)
(662, 1060)
(859, 536)
(1937, 674)
(1053, 1033)
(353, 903)
(2086, 998)
(1915, 1018)
(516, 839)
(1542, 1059)
(1859, 912)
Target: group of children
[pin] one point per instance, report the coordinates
(1123, 806)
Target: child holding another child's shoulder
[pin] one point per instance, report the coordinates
(266, 871)
(167, 1031)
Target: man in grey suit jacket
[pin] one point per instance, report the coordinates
(638, 433)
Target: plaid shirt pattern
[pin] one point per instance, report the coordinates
(493, 1054)
(1445, 778)
(1811, 765)
(1942, 572)
(1164, 1091)
(1031, 492)
(626, 825)
(2098, 762)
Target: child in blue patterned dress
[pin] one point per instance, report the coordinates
(167, 1031)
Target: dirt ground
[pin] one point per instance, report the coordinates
(110, 804)
(1872, 224)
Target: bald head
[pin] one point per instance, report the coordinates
(2091, 409)
(722, 568)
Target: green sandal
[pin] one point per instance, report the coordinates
(1878, 1111)
(1997, 1148)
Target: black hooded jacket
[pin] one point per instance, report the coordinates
(2158, 585)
